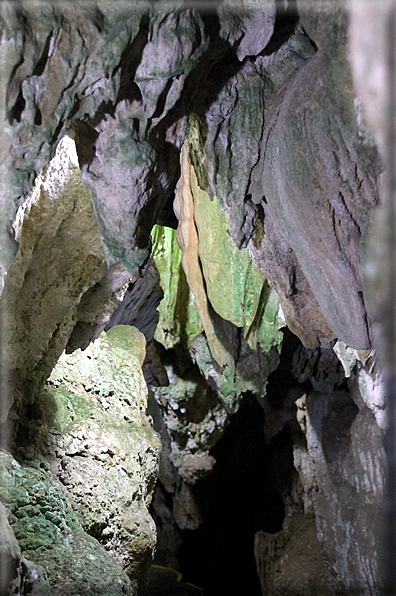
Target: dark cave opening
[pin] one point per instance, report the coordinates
(254, 491)
(236, 500)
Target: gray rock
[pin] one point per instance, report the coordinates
(346, 458)
(286, 152)
(10, 556)
(60, 258)
(139, 305)
(247, 25)
(291, 559)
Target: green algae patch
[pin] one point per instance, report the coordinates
(233, 282)
(222, 285)
(179, 320)
(49, 533)
(265, 330)
(92, 425)
(236, 288)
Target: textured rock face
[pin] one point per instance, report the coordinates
(280, 149)
(347, 465)
(336, 453)
(59, 264)
(299, 195)
(90, 465)
(191, 420)
(247, 117)
(70, 561)
(228, 298)
(107, 453)
(139, 306)
(292, 558)
(10, 554)
(345, 448)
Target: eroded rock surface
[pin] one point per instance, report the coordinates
(88, 446)
(69, 561)
(276, 165)
(345, 447)
(277, 147)
(107, 453)
(229, 300)
(60, 264)
(292, 558)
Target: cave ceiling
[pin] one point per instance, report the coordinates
(268, 93)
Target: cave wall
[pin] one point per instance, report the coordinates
(125, 79)
(298, 471)
(77, 485)
(212, 181)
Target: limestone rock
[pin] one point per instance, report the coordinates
(10, 555)
(60, 259)
(278, 141)
(337, 451)
(366, 379)
(97, 306)
(194, 421)
(291, 559)
(179, 319)
(187, 237)
(247, 25)
(252, 83)
(225, 291)
(49, 532)
(190, 419)
(368, 49)
(235, 287)
(105, 451)
(344, 446)
(135, 168)
(57, 73)
(139, 306)
(248, 374)
(89, 465)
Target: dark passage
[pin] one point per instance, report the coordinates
(237, 499)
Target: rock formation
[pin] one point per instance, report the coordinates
(188, 193)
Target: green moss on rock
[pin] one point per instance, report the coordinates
(96, 400)
(179, 320)
(235, 288)
(80, 506)
(49, 532)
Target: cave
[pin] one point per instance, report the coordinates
(236, 500)
(195, 313)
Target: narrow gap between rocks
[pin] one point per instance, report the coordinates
(237, 499)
